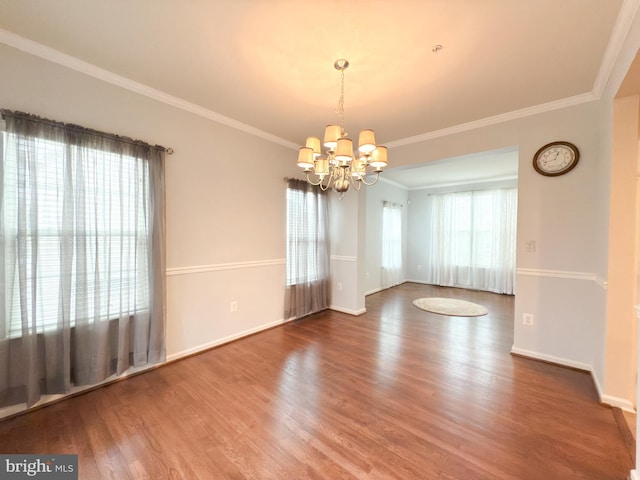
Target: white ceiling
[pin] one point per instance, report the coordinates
(267, 65)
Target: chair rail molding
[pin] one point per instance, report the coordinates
(223, 266)
(570, 275)
(343, 258)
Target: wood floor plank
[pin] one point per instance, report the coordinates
(396, 393)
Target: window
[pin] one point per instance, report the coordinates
(82, 267)
(473, 240)
(391, 244)
(108, 223)
(307, 280)
(306, 235)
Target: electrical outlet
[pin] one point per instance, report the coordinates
(528, 319)
(530, 246)
(419, 267)
(339, 287)
(233, 306)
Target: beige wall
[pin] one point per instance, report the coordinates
(347, 230)
(225, 198)
(559, 282)
(620, 371)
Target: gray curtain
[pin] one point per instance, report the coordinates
(307, 289)
(82, 257)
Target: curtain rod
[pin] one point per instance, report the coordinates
(78, 128)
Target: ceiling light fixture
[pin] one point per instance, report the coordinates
(339, 168)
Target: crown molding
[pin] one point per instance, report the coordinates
(503, 117)
(624, 21)
(623, 24)
(39, 50)
(626, 15)
(468, 182)
(391, 182)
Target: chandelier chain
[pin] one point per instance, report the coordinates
(340, 107)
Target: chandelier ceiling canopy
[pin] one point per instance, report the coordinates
(338, 167)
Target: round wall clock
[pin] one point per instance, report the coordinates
(556, 158)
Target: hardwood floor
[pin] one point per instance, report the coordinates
(397, 393)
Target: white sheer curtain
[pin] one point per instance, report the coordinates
(473, 240)
(307, 289)
(391, 244)
(82, 282)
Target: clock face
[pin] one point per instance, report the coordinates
(555, 159)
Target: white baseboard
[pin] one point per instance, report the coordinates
(371, 292)
(611, 400)
(635, 475)
(347, 310)
(551, 358)
(621, 403)
(408, 280)
(380, 289)
(596, 382)
(222, 341)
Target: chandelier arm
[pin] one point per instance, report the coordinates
(311, 181)
(354, 181)
(333, 175)
(372, 183)
(324, 187)
(330, 178)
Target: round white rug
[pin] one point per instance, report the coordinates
(451, 307)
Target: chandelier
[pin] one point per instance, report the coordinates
(339, 168)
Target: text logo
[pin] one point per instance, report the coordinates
(50, 467)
